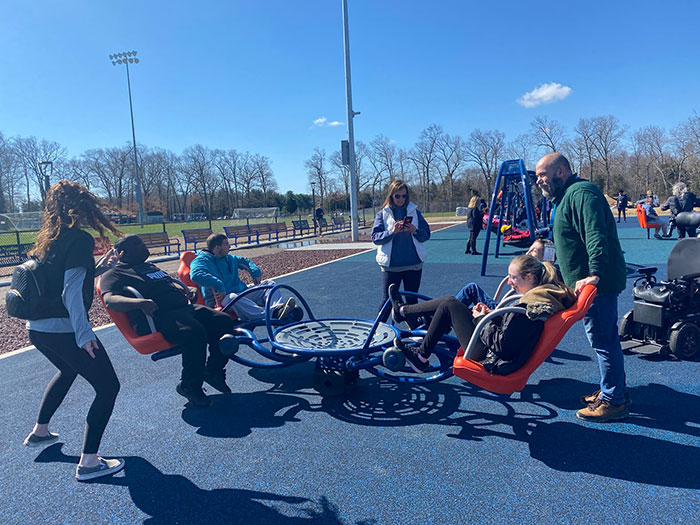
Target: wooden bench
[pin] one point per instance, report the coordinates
(339, 222)
(642, 218)
(266, 229)
(160, 240)
(282, 228)
(300, 226)
(196, 235)
(14, 254)
(242, 232)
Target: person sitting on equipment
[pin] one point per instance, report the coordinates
(506, 342)
(216, 272)
(168, 301)
(472, 293)
(653, 218)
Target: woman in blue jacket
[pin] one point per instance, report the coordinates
(400, 231)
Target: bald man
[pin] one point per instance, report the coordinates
(588, 251)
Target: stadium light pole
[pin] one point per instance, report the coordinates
(313, 205)
(126, 58)
(351, 130)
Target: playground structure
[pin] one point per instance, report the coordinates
(510, 191)
(342, 347)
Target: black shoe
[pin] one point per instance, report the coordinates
(396, 303)
(194, 395)
(467, 252)
(297, 314)
(217, 380)
(476, 253)
(414, 358)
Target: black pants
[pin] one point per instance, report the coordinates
(72, 360)
(621, 212)
(447, 313)
(471, 242)
(193, 328)
(410, 279)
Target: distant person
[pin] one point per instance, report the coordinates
(215, 270)
(318, 215)
(475, 223)
(653, 219)
(622, 203)
(681, 200)
(190, 326)
(64, 335)
(399, 232)
(650, 194)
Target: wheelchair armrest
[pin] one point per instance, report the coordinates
(647, 271)
(138, 295)
(690, 276)
(469, 350)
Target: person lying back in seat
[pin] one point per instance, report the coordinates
(169, 302)
(506, 342)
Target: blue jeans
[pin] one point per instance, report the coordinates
(600, 324)
(472, 294)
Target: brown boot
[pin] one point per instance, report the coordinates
(592, 398)
(601, 411)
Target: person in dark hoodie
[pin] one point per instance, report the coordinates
(400, 231)
(215, 270)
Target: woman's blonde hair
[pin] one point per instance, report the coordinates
(395, 186)
(70, 205)
(473, 202)
(544, 272)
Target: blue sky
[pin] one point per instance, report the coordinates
(254, 75)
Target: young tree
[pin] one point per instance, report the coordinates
(485, 148)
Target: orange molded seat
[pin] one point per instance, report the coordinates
(183, 273)
(642, 218)
(554, 329)
(143, 344)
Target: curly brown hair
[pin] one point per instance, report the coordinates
(70, 205)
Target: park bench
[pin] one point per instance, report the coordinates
(14, 254)
(322, 224)
(267, 229)
(242, 232)
(160, 240)
(300, 226)
(339, 222)
(196, 235)
(281, 228)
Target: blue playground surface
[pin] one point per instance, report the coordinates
(274, 451)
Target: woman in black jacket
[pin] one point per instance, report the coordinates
(505, 342)
(475, 219)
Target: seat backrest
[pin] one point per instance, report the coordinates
(641, 216)
(684, 258)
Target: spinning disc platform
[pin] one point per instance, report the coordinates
(340, 336)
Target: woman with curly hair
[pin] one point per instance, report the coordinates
(63, 333)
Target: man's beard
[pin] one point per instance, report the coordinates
(553, 189)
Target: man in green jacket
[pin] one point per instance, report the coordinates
(588, 252)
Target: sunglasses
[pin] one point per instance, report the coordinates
(402, 196)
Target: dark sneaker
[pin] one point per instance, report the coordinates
(228, 345)
(297, 314)
(601, 411)
(657, 236)
(217, 380)
(414, 358)
(32, 440)
(283, 311)
(396, 304)
(592, 398)
(105, 467)
(194, 395)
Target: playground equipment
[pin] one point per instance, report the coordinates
(510, 192)
(667, 314)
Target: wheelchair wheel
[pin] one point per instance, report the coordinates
(685, 341)
(626, 328)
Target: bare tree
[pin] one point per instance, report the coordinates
(318, 171)
(263, 171)
(607, 133)
(31, 152)
(452, 157)
(10, 176)
(423, 155)
(520, 148)
(198, 163)
(547, 133)
(485, 148)
(585, 135)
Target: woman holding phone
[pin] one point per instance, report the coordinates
(400, 231)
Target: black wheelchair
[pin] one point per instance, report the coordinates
(667, 313)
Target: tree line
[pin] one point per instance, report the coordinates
(440, 167)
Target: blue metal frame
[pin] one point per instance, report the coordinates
(511, 172)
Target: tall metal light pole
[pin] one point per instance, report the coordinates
(351, 130)
(126, 58)
(313, 205)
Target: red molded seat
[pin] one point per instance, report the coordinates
(143, 344)
(554, 329)
(183, 272)
(642, 218)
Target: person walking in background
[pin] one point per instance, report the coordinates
(475, 219)
(589, 252)
(622, 202)
(400, 231)
(63, 334)
(681, 200)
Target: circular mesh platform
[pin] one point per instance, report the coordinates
(340, 335)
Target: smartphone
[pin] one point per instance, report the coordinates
(408, 219)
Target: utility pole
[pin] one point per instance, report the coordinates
(351, 130)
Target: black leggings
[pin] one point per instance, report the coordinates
(411, 283)
(72, 360)
(447, 313)
(193, 328)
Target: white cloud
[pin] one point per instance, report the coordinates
(323, 122)
(545, 94)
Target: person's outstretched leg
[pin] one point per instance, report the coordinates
(471, 294)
